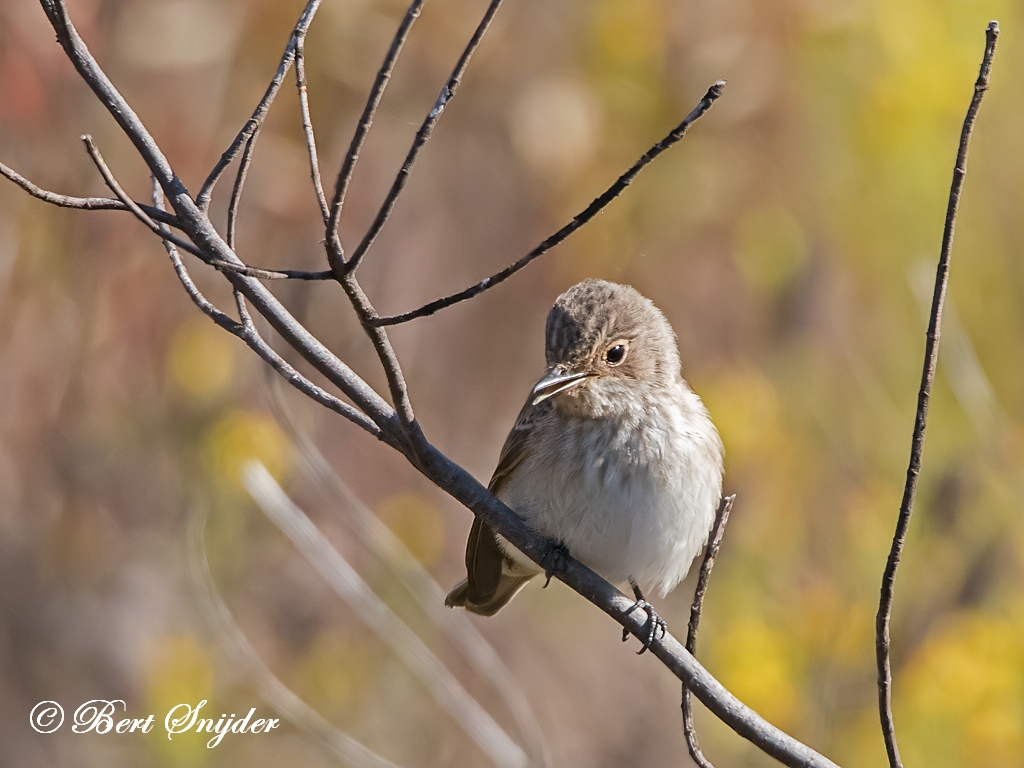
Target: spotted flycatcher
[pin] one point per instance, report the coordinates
(613, 456)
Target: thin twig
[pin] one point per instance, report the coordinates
(363, 127)
(236, 188)
(307, 128)
(220, 264)
(392, 367)
(710, 553)
(83, 203)
(247, 332)
(253, 124)
(882, 620)
(204, 304)
(581, 218)
(269, 274)
(422, 135)
(131, 205)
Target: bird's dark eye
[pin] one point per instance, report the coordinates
(615, 354)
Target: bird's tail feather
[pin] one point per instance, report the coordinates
(508, 586)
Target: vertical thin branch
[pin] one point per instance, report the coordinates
(710, 553)
(236, 188)
(422, 135)
(307, 127)
(363, 127)
(882, 620)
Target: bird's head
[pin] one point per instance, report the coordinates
(603, 340)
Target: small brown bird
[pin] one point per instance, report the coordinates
(613, 456)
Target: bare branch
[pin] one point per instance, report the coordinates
(269, 274)
(247, 332)
(197, 226)
(236, 188)
(581, 218)
(392, 368)
(130, 204)
(307, 128)
(363, 127)
(422, 135)
(465, 489)
(84, 203)
(710, 553)
(882, 620)
(255, 122)
(204, 304)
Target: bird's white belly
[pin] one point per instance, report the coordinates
(637, 501)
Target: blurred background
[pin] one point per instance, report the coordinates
(790, 238)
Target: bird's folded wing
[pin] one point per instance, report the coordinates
(517, 445)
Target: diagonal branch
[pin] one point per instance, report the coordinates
(248, 333)
(131, 205)
(422, 135)
(931, 354)
(392, 367)
(465, 489)
(581, 218)
(255, 122)
(83, 203)
(710, 553)
(363, 127)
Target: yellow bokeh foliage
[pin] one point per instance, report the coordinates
(178, 671)
(960, 700)
(334, 673)
(757, 662)
(417, 523)
(201, 359)
(240, 437)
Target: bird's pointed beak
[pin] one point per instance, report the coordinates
(555, 382)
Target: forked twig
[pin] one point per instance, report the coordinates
(255, 122)
(363, 127)
(247, 332)
(710, 553)
(578, 221)
(931, 354)
(422, 135)
(131, 205)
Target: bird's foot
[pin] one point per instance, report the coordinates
(655, 626)
(555, 560)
